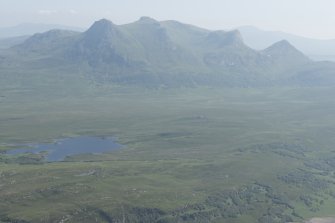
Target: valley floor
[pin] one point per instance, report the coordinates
(321, 220)
(191, 155)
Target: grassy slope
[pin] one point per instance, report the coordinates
(182, 146)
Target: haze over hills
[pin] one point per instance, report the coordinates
(26, 29)
(254, 37)
(209, 129)
(169, 53)
(314, 48)
(10, 36)
(6, 43)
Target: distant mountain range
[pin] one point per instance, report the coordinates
(27, 29)
(314, 48)
(253, 37)
(169, 53)
(10, 36)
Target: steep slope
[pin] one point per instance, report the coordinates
(316, 49)
(226, 49)
(184, 34)
(283, 50)
(156, 46)
(102, 43)
(152, 53)
(283, 57)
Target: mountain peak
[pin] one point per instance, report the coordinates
(104, 21)
(283, 43)
(282, 46)
(146, 19)
(286, 51)
(98, 41)
(101, 31)
(101, 26)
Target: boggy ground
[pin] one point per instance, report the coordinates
(321, 220)
(190, 155)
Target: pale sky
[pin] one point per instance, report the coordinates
(310, 18)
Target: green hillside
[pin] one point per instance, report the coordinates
(168, 53)
(211, 130)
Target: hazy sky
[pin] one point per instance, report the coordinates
(311, 18)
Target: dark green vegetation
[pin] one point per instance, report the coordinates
(195, 151)
(192, 155)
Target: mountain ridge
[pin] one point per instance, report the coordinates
(152, 53)
(316, 49)
(26, 29)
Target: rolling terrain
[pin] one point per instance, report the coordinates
(192, 155)
(212, 130)
(27, 29)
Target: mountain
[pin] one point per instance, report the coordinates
(316, 49)
(168, 53)
(28, 29)
(46, 42)
(10, 36)
(283, 53)
(6, 43)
